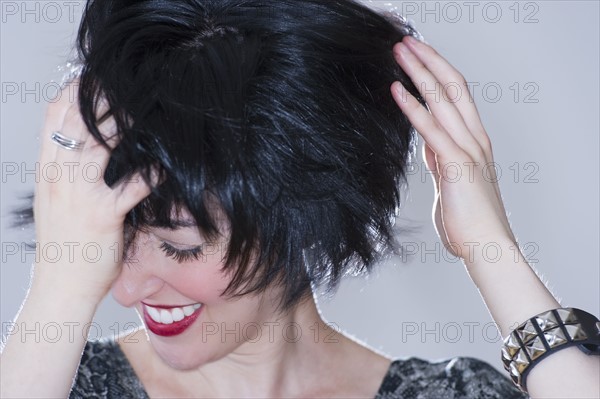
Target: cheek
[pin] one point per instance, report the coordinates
(201, 280)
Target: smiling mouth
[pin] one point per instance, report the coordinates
(170, 320)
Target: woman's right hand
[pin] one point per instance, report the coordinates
(79, 234)
(78, 218)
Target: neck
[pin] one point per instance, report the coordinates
(293, 351)
(298, 343)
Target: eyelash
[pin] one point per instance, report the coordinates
(181, 255)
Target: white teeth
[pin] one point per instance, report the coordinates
(168, 316)
(154, 314)
(188, 310)
(165, 316)
(177, 314)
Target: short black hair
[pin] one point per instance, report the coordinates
(280, 110)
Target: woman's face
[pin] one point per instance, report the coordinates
(179, 296)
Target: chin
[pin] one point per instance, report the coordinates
(181, 356)
(178, 363)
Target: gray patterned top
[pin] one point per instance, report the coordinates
(105, 372)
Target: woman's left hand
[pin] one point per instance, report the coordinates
(468, 209)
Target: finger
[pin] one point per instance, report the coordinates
(426, 125)
(106, 125)
(103, 112)
(431, 164)
(452, 79)
(53, 121)
(73, 128)
(95, 151)
(432, 90)
(132, 190)
(95, 154)
(105, 122)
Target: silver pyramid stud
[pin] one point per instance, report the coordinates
(555, 337)
(527, 332)
(512, 345)
(576, 332)
(505, 354)
(520, 362)
(546, 320)
(514, 371)
(567, 315)
(506, 360)
(515, 376)
(535, 348)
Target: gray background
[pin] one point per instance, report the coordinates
(426, 307)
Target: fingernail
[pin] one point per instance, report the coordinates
(403, 48)
(399, 88)
(411, 40)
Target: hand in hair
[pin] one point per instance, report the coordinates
(468, 208)
(75, 210)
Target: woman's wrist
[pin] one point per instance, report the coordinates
(45, 342)
(46, 286)
(71, 280)
(510, 287)
(493, 253)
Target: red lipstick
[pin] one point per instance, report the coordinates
(169, 330)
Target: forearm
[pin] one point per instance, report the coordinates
(513, 293)
(43, 362)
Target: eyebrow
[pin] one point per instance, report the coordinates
(175, 224)
(184, 223)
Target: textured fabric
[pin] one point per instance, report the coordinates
(105, 372)
(459, 377)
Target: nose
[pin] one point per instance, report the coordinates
(137, 279)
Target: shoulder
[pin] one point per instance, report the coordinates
(458, 377)
(104, 372)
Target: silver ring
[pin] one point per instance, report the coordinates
(65, 142)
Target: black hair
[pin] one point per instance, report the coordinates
(280, 111)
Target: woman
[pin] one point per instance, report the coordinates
(254, 150)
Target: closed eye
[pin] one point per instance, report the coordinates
(181, 255)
